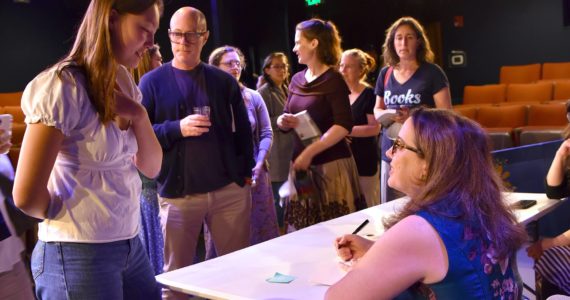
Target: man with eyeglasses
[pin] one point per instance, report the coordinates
(207, 157)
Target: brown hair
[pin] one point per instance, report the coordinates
(216, 55)
(92, 51)
(267, 64)
(145, 65)
(367, 62)
(328, 49)
(423, 53)
(461, 181)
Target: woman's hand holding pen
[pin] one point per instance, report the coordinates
(352, 246)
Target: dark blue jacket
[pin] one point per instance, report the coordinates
(166, 107)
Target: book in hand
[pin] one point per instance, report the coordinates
(387, 117)
(307, 130)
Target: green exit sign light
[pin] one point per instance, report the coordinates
(313, 2)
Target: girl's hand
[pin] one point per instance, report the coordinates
(126, 107)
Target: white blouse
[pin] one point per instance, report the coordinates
(94, 185)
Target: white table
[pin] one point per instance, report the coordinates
(307, 254)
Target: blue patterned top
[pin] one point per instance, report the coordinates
(473, 272)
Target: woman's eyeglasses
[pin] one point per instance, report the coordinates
(231, 64)
(279, 67)
(399, 144)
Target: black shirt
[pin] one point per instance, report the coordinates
(364, 148)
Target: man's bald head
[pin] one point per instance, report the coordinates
(191, 14)
(189, 23)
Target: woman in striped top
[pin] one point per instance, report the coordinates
(553, 254)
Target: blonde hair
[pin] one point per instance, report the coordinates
(366, 61)
(93, 53)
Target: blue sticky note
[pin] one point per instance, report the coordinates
(280, 278)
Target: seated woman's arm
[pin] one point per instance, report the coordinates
(556, 186)
(409, 252)
(535, 250)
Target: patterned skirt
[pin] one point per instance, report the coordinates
(554, 266)
(324, 192)
(151, 232)
(263, 215)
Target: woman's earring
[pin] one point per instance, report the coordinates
(423, 177)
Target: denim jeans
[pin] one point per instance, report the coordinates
(106, 271)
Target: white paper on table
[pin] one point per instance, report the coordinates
(328, 273)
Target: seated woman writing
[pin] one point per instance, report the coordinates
(455, 238)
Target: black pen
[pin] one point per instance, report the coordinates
(357, 230)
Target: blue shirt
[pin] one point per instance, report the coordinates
(471, 274)
(418, 90)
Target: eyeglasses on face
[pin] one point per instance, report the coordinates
(231, 64)
(179, 37)
(399, 144)
(279, 67)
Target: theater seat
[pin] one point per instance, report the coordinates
(552, 114)
(500, 138)
(519, 74)
(500, 122)
(467, 111)
(556, 70)
(502, 116)
(529, 92)
(18, 130)
(14, 154)
(561, 90)
(538, 134)
(16, 112)
(488, 93)
(10, 99)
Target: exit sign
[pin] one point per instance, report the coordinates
(313, 2)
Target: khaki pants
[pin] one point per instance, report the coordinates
(226, 212)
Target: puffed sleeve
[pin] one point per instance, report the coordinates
(55, 99)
